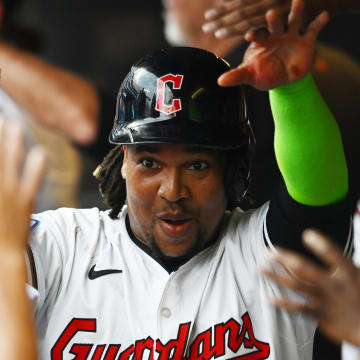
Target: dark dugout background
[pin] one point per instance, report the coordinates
(100, 39)
(97, 39)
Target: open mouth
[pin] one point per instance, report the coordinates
(176, 222)
(175, 227)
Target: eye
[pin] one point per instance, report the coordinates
(149, 163)
(198, 165)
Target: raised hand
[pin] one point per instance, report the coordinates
(17, 192)
(333, 291)
(237, 17)
(280, 55)
(17, 195)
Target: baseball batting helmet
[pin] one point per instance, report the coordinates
(172, 96)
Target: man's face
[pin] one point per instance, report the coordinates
(175, 195)
(183, 20)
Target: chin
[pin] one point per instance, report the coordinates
(176, 250)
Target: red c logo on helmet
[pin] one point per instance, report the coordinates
(175, 106)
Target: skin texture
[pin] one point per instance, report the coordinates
(281, 55)
(236, 17)
(17, 194)
(174, 182)
(333, 289)
(185, 17)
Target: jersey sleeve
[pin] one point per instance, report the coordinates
(58, 239)
(50, 244)
(287, 219)
(245, 234)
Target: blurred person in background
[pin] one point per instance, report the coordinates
(50, 103)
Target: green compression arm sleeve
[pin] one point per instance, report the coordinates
(308, 144)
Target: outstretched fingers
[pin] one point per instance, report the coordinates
(14, 148)
(295, 17)
(257, 35)
(297, 307)
(290, 282)
(301, 268)
(18, 188)
(323, 248)
(2, 147)
(33, 175)
(240, 75)
(236, 17)
(226, 7)
(275, 22)
(316, 26)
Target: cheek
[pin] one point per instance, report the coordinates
(212, 201)
(141, 191)
(141, 197)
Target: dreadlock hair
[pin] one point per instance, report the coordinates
(112, 186)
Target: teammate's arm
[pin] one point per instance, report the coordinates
(56, 98)
(308, 145)
(307, 140)
(335, 302)
(17, 196)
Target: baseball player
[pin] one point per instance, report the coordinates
(173, 274)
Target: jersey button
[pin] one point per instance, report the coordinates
(165, 312)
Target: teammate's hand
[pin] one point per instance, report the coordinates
(280, 55)
(237, 17)
(17, 191)
(333, 290)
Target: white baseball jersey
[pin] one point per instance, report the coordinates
(100, 296)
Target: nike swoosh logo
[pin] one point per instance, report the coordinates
(94, 274)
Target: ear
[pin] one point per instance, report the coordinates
(124, 165)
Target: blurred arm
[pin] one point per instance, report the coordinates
(17, 332)
(55, 98)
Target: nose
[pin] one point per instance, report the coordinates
(173, 187)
